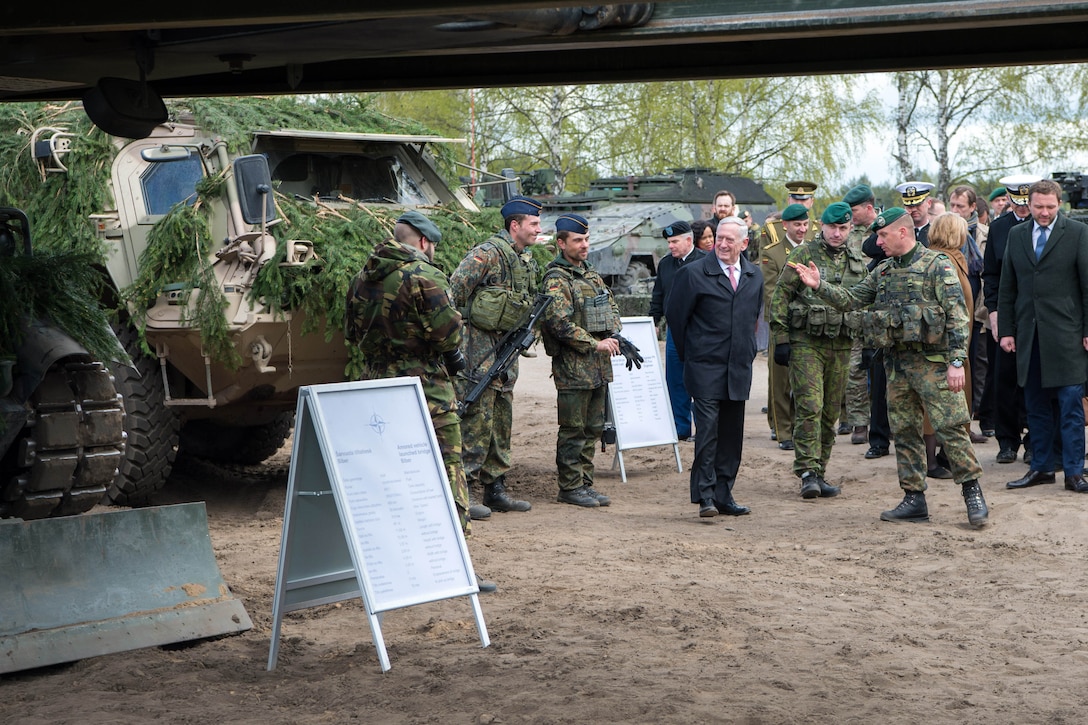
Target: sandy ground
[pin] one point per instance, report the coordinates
(803, 612)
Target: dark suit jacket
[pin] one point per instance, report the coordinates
(714, 328)
(1048, 298)
(994, 255)
(666, 273)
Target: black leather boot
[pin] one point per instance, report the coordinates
(911, 508)
(826, 489)
(496, 499)
(978, 513)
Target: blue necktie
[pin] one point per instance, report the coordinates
(1040, 242)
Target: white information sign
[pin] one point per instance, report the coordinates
(638, 398)
(369, 510)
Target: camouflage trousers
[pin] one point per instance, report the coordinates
(448, 432)
(486, 434)
(581, 420)
(917, 386)
(817, 378)
(855, 405)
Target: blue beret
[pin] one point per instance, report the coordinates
(837, 213)
(793, 212)
(886, 217)
(521, 205)
(572, 223)
(421, 224)
(676, 229)
(858, 195)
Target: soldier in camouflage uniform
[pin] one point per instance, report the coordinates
(493, 286)
(399, 315)
(855, 408)
(814, 340)
(577, 333)
(919, 318)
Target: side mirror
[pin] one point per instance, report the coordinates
(254, 182)
(126, 108)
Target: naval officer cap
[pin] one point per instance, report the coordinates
(521, 205)
(572, 223)
(914, 192)
(886, 217)
(801, 189)
(793, 212)
(858, 195)
(676, 229)
(421, 224)
(1018, 186)
(998, 193)
(837, 213)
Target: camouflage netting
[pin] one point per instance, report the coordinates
(59, 206)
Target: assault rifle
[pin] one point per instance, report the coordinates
(506, 351)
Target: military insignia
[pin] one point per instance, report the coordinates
(910, 191)
(1023, 189)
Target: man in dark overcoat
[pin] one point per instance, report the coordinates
(1042, 316)
(712, 309)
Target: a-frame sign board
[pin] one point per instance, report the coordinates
(369, 510)
(638, 398)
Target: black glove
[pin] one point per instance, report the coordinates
(455, 361)
(782, 353)
(629, 351)
(867, 355)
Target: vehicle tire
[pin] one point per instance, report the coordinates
(631, 281)
(245, 445)
(151, 426)
(63, 460)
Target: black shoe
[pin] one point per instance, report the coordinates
(1076, 483)
(844, 429)
(989, 432)
(707, 509)
(911, 508)
(476, 510)
(732, 508)
(774, 436)
(876, 452)
(1006, 455)
(826, 489)
(578, 496)
(763, 410)
(810, 487)
(786, 445)
(486, 586)
(496, 499)
(978, 513)
(1032, 478)
(1027, 456)
(602, 500)
(939, 472)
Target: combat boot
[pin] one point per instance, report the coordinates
(476, 510)
(978, 514)
(810, 488)
(826, 489)
(496, 499)
(911, 508)
(577, 496)
(601, 498)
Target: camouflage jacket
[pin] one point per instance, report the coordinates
(797, 314)
(400, 316)
(576, 362)
(486, 265)
(916, 304)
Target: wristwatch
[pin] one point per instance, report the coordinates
(956, 362)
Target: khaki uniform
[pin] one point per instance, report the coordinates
(772, 261)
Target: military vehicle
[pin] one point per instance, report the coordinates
(1075, 188)
(626, 216)
(233, 404)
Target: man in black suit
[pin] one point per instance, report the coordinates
(682, 251)
(712, 310)
(1001, 391)
(1042, 316)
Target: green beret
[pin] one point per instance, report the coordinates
(858, 195)
(793, 212)
(998, 192)
(837, 213)
(886, 217)
(421, 224)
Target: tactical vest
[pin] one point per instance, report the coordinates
(592, 307)
(507, 296)
(906, 313)
(810, 314)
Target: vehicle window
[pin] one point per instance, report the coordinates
(165, 183)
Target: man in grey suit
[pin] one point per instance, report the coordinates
(712, 310)
(1042, 316)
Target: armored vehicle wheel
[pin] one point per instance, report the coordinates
(152, 427)
(631, 281)
(246, 445)
(64, 459)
